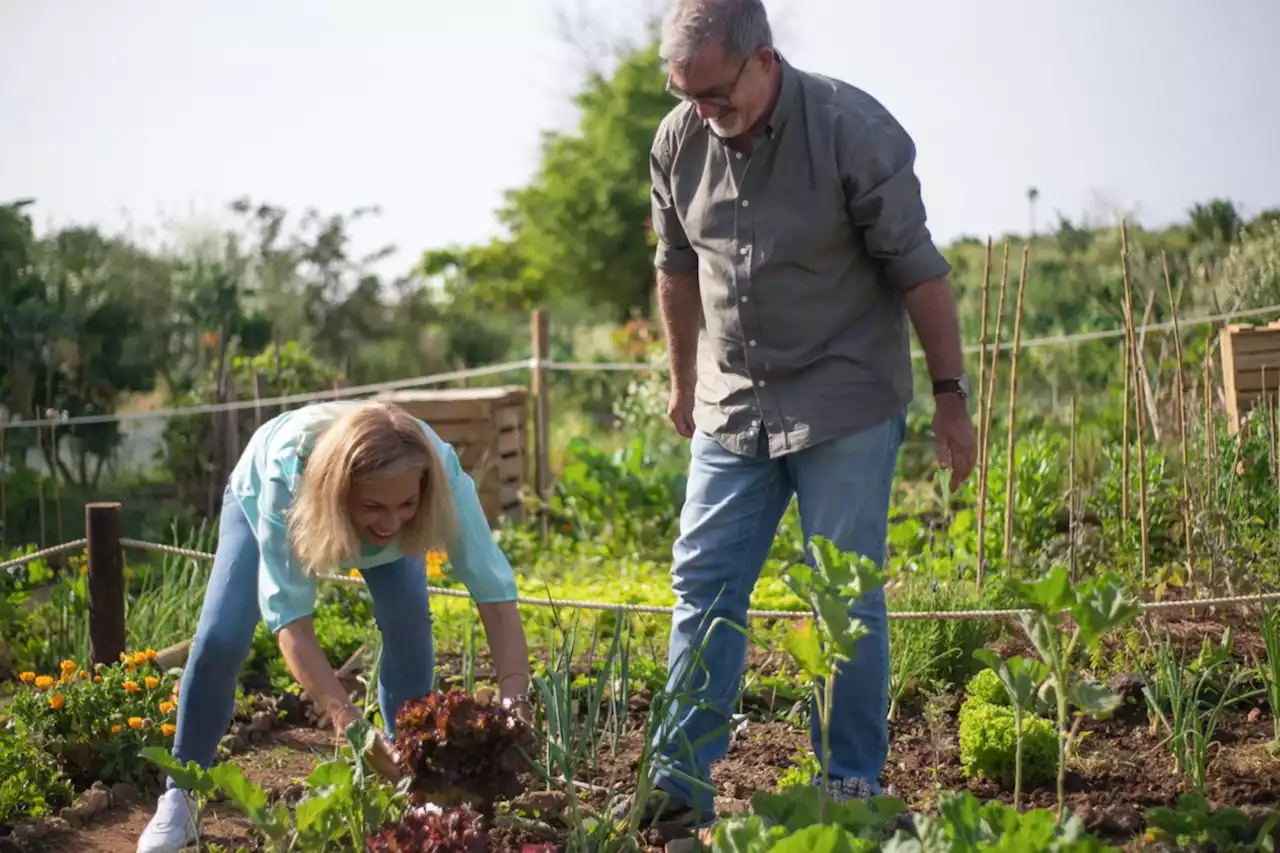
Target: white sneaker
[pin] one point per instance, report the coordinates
(172, 827)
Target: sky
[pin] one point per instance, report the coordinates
(136, 113)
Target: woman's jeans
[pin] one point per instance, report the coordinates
(230, 615)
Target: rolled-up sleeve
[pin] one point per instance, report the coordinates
(885, 204)
(674, 254)
(285, 592)
(476, 559)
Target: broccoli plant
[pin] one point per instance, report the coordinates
(458, 749)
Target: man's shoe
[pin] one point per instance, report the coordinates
(173, 826)
(660, 810)
(847, 790)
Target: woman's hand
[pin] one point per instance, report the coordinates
(381, 753)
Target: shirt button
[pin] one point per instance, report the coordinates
(744, 299)
(753, 343)
(744, 250)
(739, 155)
(745, 203)
(760, 383)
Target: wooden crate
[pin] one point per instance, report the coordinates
(1250, 368)
(487, 428)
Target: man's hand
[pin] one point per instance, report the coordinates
(953, 438)
(680, 410)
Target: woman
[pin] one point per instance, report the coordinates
(333, 486)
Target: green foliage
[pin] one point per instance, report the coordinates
(988, 744)
(987, 687)
(190, 443)
(31, 785)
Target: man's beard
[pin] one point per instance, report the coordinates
(727, 127)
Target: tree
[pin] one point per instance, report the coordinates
(579, 230)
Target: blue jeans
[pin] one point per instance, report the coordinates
(230, 615)
(732, 509)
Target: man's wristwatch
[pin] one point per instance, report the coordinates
(958, 385)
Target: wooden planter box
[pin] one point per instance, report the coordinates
(486, 426)
(1250, 358)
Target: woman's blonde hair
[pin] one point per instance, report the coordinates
(372, 441)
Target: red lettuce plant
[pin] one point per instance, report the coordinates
(456, 830)
(460, 749)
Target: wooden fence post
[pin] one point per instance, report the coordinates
(102, 524)
(540, 334)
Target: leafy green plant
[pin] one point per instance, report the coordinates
(1269, 625)
(987, 687)
(963, 824)
(1020, 679)
(998, 743)
(1095, 607)
(31, 785)
(1193, 824)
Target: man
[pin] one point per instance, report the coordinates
(792, 249)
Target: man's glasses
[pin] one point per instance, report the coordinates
(713, 99)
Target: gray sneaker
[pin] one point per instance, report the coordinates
(847, 790)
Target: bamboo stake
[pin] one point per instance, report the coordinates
(1124, 441)
(1071, 497)
(990, 393)
(1013, 400)
(1211, 475)
(982, 347)
(1137, 391)
(1180, 393)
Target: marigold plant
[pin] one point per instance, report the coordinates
(96, 720)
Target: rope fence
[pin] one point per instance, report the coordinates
(538, 364)
(659, 610)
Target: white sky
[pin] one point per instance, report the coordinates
(135, 112)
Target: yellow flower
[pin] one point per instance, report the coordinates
(43, 682)
(130, 687)
(84, 673)
(56, 701)
(68, 667)
(27, 677)
(166, 706)
(152, 682)
(123, 657)
(115, 730)
(151, 654)
(97, 679)
(67, 678)
(168, 729)
(435, 565)
(354, 573)
(135, 722)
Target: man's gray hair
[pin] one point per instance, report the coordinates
(741, 26)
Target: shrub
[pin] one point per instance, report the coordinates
(988, 744)
(987, 687)
(459, 749)
(96, 723)
(31, 786)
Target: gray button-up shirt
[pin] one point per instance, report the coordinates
(804, 249)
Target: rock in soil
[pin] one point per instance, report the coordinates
(123, 794)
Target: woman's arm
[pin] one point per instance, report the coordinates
(507, 644)
(301, 651)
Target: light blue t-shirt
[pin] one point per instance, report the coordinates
(266, 479)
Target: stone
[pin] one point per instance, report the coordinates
(546, 804)
(124, 794)
(229, 742)
(74, 816)
(95, 800)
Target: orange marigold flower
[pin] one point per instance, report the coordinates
(43, 682)
(151, 654)
(130, 687)
(56, 701)
(166, 706)
(135, 722)
(97, 679)
(151, 681)
(168, 729)
(27, 677)
(115, 730)
(84, 673)
(68, 666)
